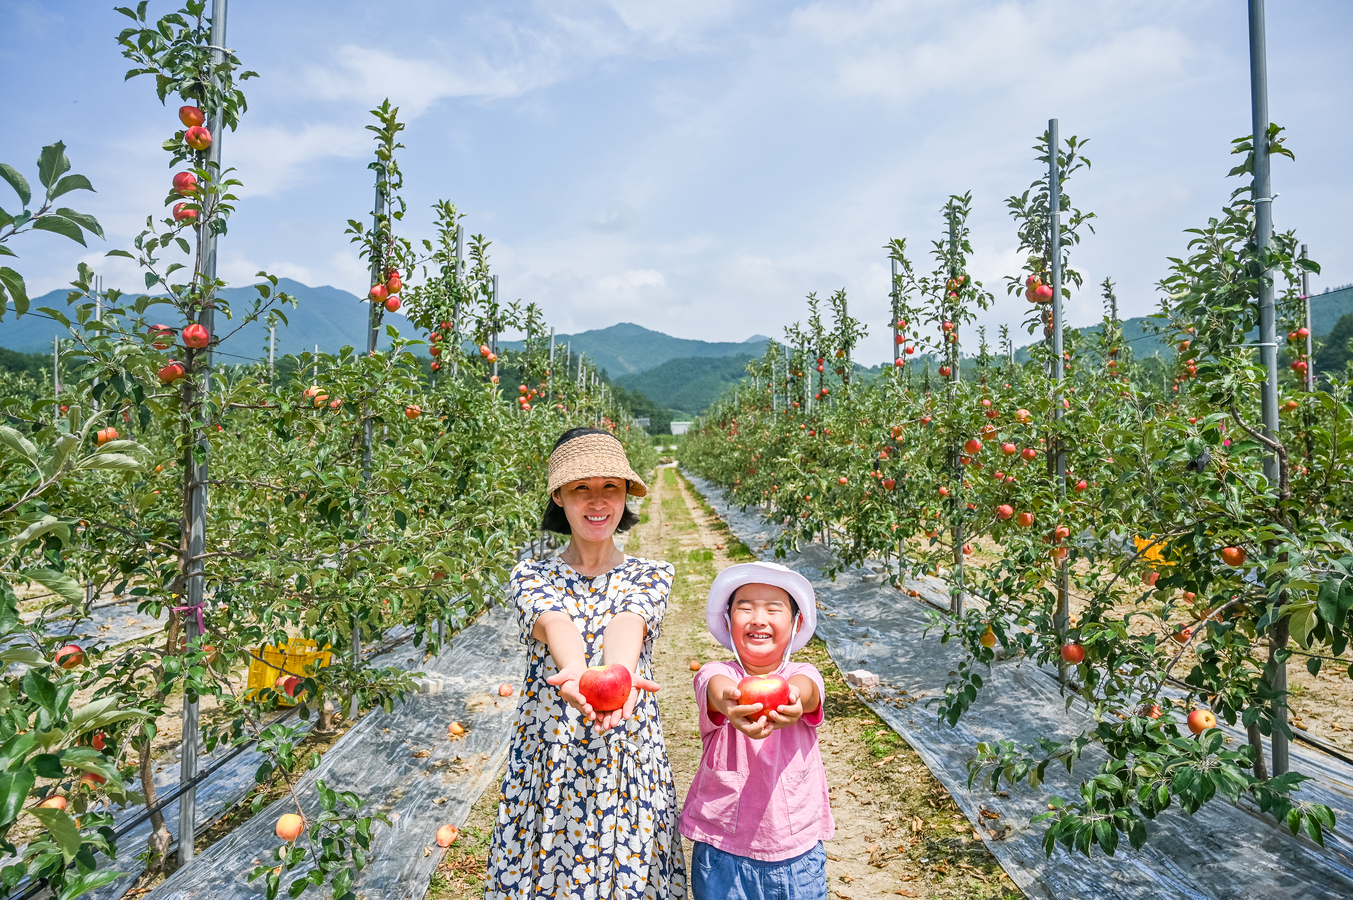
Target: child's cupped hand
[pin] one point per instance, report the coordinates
(750, 720)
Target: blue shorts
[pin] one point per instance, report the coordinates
(723, 876)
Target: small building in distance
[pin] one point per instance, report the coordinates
(642, 422)
(680, 428)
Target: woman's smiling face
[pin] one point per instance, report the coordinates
(593, 506)
(762, 620)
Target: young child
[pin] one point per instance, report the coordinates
(758, 810)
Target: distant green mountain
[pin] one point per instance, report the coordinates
(326, 316)
(689, 384)
(627, 348)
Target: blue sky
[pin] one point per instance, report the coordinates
(697, 167)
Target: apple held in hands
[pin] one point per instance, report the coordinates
(771, 691)
(606, 687)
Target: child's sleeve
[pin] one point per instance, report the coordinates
(534, 595)
(813, 719)
(648, 597)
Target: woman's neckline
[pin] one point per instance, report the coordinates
(624, 559)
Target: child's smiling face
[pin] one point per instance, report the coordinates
(762, 620)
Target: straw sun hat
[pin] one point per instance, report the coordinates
(593, 456)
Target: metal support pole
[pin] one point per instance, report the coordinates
(1262, 196)
(959, 498)
(56, 365)
(1310, 337)
(1062, 618)
(897, 331)
(368, 425)
(549, 373)
(197, 463)
(272, 350)
(494, 341)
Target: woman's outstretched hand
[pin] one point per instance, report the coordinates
(566, 679)
(608, 720)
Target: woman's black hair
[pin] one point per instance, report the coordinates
(793, 604)
(553, 519)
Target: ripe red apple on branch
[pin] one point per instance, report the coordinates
(161, 337)
(392, 304)
(1004, 511)
(70, 656)
(1073, 653)
(771, 691)
(606, 687)
(185, 183)
(1201, 720)
(197, 137)
(290, 826)
(184, 213)
(196, 336)
(172, 372)
(191, 116)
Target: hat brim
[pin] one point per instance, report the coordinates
(734, 577)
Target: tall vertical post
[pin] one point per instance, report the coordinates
(56, 365)
(1261, 193)
(549, 373)
(197, 464)
(1306, 302)
(897, 329)
(959, 500)
(494, 345)
(1062, 618)
(272, 350)
(368, 423)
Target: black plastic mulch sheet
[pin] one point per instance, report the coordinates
(1223, 852)
(402, 763)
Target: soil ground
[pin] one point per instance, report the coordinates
(898, 832)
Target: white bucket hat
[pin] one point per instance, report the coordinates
(734, 577)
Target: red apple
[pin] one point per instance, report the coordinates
(161, 337)
(379, 293)
(1233, 556)
(92, 780)
(71, 655)
(196, 336)
(944, 491)
(771, 691)
(1080, 485)
(1009, 449)
(1004, 511)
(56, 801)
(392, 304)
(606, 687)
(191, 116)
(1024, 416)
(889, 483)
(972, 446)
(1025, 519)
(287, 684)
(1201, 720)
(446, 835)
(184, 213)
(197, 137)
(944, 371)
(172, 372)
(1073, 653)
(393, 284)
(185, 183)
(290, 826)
(505, 689)
(1029, 453)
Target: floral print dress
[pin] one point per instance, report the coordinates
(582, 815)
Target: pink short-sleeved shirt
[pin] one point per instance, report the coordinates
(767, 799)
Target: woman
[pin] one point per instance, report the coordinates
(588, 809)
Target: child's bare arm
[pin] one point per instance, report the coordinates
(722, 695)
(808, 693)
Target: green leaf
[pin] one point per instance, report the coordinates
(66, 444)
(58, 583)
(62, 829)
(60, 225)
(12, 281)
(18, 443)
(120, 462)
(87, 222)
(52, 164)
(68, 184)
(83, 884)
(14, 788)
(16, 181)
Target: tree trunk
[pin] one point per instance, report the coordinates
(158, 842)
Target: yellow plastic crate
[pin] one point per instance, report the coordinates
(299, 657)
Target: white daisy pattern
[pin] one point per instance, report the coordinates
(581, 815)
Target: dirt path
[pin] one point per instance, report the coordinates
(898, 832)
